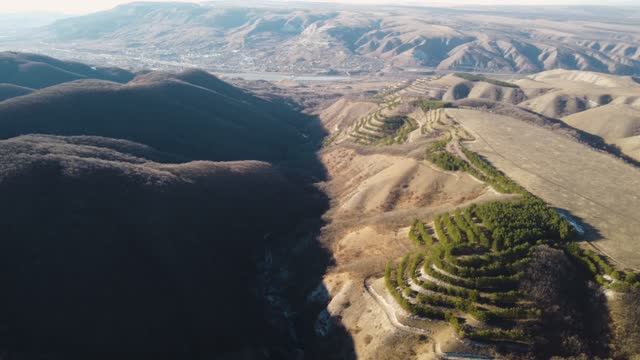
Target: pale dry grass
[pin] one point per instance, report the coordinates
(596, 187)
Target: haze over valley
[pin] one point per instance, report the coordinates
(345, 39)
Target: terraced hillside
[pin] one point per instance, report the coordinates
(468, 271)
(466, 276)
(469, 264)
(471, 267)
(405, 111)
(384, 125)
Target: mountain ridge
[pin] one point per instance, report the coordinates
(228, 37)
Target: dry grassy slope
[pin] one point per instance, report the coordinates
(617, 124)
(604, 105)
(493, 92)
(379, 182)
(630, 146)
(343, 112)
(568, 92)
(451, 88)
(598, 188)
(585, 77)
(376, 192)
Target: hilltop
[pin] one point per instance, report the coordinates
(38, 71)
(191, 114)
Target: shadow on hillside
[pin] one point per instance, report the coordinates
(574, 317)
(584, 230)
(103, 261)
(321, 336)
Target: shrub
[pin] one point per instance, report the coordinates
(477, 77)
(497, 283)
(457, 326)
(525, 220)
(414, 235)
(400, 272)
(493, 176)
(437, 154)
(426, 238)
(413, 266)
(499, 334)
(598, 266)
(419, 235)
(452, 229)
(506, 256)
(437, 225)
(427, 105)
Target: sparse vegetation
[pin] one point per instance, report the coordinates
(330, 139)
(401, 134)
(379, 129)
(479, 167)
(601, 271)
(428, 105)
(626, 325)
(476, 77)
(437, 153)
(486, 172)
(483, 252)
(419, 235)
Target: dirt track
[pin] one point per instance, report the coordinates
(601, 190)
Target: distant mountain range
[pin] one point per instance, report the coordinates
(320, 38)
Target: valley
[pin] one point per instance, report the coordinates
(330, 39)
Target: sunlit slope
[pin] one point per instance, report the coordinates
(597, 187)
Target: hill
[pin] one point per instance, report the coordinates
(594, 108)
(127, 248)
(192, 114)
(38, 71)
(142, 213)
(482, 196)
(8, 91)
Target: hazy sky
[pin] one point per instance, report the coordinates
(84, 6)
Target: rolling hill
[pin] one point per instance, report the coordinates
(8, 91)
(127, 248)
(594, 108)
(38, 71)
(617, 124)
(191, 114)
